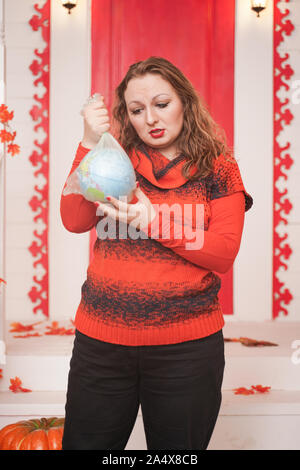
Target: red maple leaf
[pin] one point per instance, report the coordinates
(19, 327)
(6, 136)
(13, 149)
(243, 391)
(5, 115)
(28, 335)
(252, 390)
(260, 388)
(54, 329)
(250, 342)
(16, 386)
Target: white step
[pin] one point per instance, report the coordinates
(258, 422)
(42, 363)
(275, 366)
(255, 422)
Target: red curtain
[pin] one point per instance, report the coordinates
(195, 35)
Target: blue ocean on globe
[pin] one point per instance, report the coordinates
(106, 172)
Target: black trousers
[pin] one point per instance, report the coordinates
(177, 385)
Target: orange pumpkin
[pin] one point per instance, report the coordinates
(34, 434)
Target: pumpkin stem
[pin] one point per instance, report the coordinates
(44, 423)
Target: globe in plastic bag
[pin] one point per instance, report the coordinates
(105, 170)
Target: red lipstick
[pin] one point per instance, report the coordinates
(156, 133)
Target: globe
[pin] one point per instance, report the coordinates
(106, 172)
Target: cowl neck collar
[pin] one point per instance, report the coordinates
(157, 168)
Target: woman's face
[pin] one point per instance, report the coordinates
(155, 111)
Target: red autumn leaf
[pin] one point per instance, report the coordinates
(5, 115)
(19, 327)
(1, 376)
(6, 136)
(69, 331)
(250, 342)
(60, 331)
(252, 390)
(28, 335)
(2, 280)
(260, 388)
(254, 342)
(25, 390)
(243, 391)
(14, 149)
(15, 386)
(54, 329)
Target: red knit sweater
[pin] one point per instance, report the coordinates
(154, 289)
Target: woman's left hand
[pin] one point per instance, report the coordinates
(138, 215)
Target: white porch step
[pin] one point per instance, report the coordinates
(273, 366)
(42, 363)
(37, 404)
(258, 422)
(263, 421)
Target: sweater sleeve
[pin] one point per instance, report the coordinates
(215, 246)
(78, 215)
(214, 249)
(227, 180)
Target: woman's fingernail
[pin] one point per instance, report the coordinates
(108, 198)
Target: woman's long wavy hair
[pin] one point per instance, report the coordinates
(201, 139)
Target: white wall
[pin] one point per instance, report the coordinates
(20, 43)
(69, 88)
(290, 133)
(253, 140)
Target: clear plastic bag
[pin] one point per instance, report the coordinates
(105, 170)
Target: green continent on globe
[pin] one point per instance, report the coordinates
(95, 194)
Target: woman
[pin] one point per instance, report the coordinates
(149, 324)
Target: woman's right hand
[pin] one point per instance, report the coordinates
(96, 121)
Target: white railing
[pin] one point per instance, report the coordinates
(2, 188)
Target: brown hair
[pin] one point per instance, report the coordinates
(201, 139)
